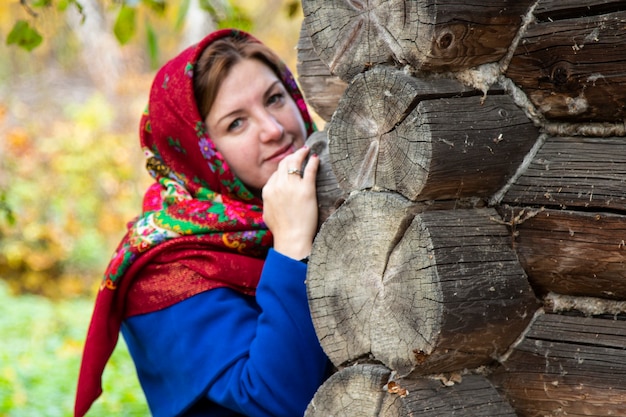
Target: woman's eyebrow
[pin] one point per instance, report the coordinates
(227, 116)
(271, 87)
(266, 94)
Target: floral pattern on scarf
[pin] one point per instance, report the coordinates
(199, 195)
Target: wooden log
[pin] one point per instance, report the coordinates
(351, 36)
(574, 172)
(370, 390)
(353, 391)
(559, 9)
(329, 194)
(567, 366)
(321, 89)
(420, 291)
(570, 61)
(426, 139)
(571, 252)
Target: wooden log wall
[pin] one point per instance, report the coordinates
(471, 256)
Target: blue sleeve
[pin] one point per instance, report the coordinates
(256, 357)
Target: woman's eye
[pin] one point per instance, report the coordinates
(276, 98)
(234, 124)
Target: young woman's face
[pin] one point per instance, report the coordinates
(254, 123)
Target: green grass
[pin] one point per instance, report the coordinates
(40, 350)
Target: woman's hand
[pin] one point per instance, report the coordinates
(290, 205)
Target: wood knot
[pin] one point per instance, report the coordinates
(445, 40)
(560, 75)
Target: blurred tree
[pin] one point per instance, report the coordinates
(200, 16)
(100, 51)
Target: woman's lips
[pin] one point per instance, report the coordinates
(281, 153)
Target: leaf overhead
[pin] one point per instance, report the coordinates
(24, 36)
(125, 24)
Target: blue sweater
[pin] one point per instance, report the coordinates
(221, 353)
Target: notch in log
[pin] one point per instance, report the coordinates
(329, 194)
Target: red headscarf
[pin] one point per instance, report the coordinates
(198, 219)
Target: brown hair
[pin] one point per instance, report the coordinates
(216, 62)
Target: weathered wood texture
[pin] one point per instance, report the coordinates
(370, 391)
(421, 292)
(426, 139)
(567, 61)
(351, 36)
(574, 172)
(571, 252)
(517, 108)
(570, 61)
(321, 89)
(567, 366)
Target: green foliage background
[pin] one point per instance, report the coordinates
(71, 177)
(39, 362)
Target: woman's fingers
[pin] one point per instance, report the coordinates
(311, 167)
(294, 162)
(290, 204)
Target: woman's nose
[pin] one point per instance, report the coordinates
(271, 128)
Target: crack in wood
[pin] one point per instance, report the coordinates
(357, 5)
(349, 40)
(412, 106)
(390, 40)
(366, 177)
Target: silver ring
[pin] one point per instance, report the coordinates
(294, 171)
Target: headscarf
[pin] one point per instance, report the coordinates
(197, 215)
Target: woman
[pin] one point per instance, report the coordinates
(211, 303)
